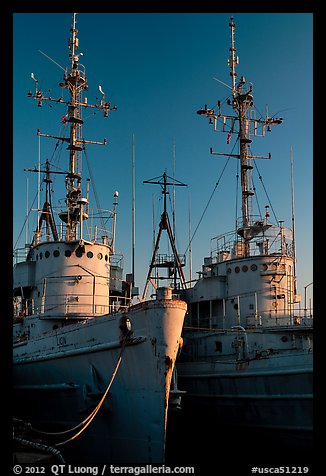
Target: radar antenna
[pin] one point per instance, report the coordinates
(75, 81)
(242, 103)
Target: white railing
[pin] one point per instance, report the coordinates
(275, 239)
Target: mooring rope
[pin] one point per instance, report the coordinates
(84, 424)
(40, 446)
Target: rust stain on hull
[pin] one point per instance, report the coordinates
(169, 364)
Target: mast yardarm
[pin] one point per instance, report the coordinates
(242, 104)
(75, 82)
(165, 225)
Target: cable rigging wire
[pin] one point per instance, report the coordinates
(269, 201)
(210, 198)
(94, 188)
(236, 195)
(176, 235)
(31, 207)
(26, 218)
(256, 196)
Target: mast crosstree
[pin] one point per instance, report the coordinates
(75, 82)
(175, 263)
(242, 104)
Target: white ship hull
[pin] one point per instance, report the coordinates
(61, 376)
(91, 371)
(248, 347)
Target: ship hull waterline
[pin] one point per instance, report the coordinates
(268, 394)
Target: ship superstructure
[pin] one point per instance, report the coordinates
(92, 371)
(247, 354)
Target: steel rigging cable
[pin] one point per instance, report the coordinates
(210, 198)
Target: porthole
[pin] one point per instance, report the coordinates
(67, 253)
(106, 257)
(263, 267)
(245, 268)
(237, 269)
(47, 254)
(229, 270)
(41, 255)
(56, 253)
(253, 267)
(100, 256)
(79, 253)
(89, 254)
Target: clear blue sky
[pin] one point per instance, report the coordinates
(158, 68)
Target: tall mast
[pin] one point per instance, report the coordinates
(133, 211)
(242, 100)
(293, 220)
(176, 264)
(75, 82)
(233, 60)
(242, 104)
